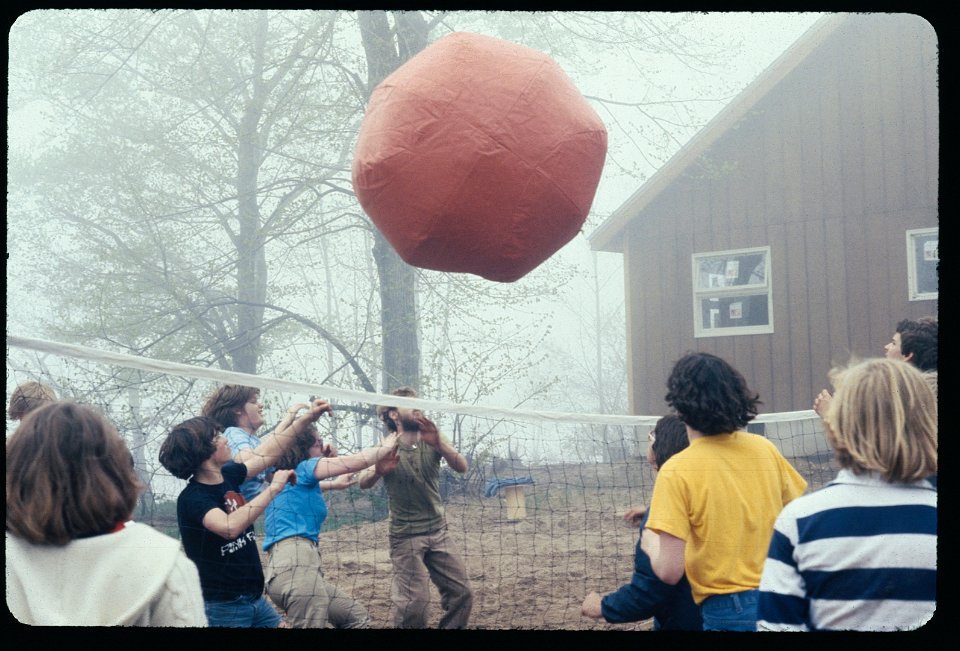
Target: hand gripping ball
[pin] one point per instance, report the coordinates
(479, 156)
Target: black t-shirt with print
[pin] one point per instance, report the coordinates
(228, 568)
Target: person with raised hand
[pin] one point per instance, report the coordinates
(860, 554)
(420, 547)
(216, 521)
(294, 576)
(671, 606)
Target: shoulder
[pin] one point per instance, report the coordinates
(306, 472)
(140, 531)
(748, 438)
(237, 436)
(233, 472)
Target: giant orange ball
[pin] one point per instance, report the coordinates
(479, 156)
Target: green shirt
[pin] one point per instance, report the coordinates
(414, 491)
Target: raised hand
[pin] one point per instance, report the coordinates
(428, 431)
(281, 478)
(293, 409)
(634, 515)
(319, 407)
(328, 450)
(822, 402)
(389, 462)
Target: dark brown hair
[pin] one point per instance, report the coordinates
(670, 436)
(300, 450)
(224, 403)
(27, 397)
(69, 475)
(919, 337)
(188, 445)
(383, 411)
(709, 395)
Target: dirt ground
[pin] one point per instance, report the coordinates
(530, 573)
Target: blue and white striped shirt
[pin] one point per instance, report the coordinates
(858, 554)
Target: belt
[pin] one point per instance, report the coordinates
(295, 539)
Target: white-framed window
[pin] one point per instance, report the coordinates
(923, 255)
(732, 293)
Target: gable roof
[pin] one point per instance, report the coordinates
(607, 236)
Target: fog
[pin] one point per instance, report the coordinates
(121, 175)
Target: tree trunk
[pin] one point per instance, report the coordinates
(251, 255)
(398, 317)
(398, 281)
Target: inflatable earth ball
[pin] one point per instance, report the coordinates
(478, 156)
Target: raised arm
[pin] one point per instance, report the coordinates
(332, 466)
(231, 525)
(279, 441)
(432, 437)
(370, 476)
(244, 451)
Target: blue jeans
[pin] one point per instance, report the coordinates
(731, 612)
(242, 612)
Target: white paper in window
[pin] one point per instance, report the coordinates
(736, 310)
(733, 271)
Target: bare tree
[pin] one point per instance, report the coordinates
(199, 160)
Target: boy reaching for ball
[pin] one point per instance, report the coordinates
(216, 522)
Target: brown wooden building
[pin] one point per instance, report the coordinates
(799, 225)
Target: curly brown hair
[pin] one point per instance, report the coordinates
(919, 338)
(188, 445)
(300, 449)
(709, 395)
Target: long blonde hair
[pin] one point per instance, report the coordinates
(883, 417)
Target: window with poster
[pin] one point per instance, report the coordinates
(732, 293)
(923, 257)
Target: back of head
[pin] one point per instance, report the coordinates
(27, 397)
(383, 410)
(918, 337)
(883, 418)
(224, 403)
(188, 445)
(670, 436)
(300, 450)
(69, 475)
(709, 395)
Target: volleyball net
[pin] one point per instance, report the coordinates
(537, 517)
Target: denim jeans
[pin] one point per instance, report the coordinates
(731, 612)
(242, 612)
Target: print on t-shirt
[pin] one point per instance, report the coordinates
(232, 500)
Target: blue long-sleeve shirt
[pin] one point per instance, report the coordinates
(646, 596)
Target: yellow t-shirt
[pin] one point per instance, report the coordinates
(721, 496)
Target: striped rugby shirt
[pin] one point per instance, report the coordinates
(858, 554)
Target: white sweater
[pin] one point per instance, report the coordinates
(134, 577)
